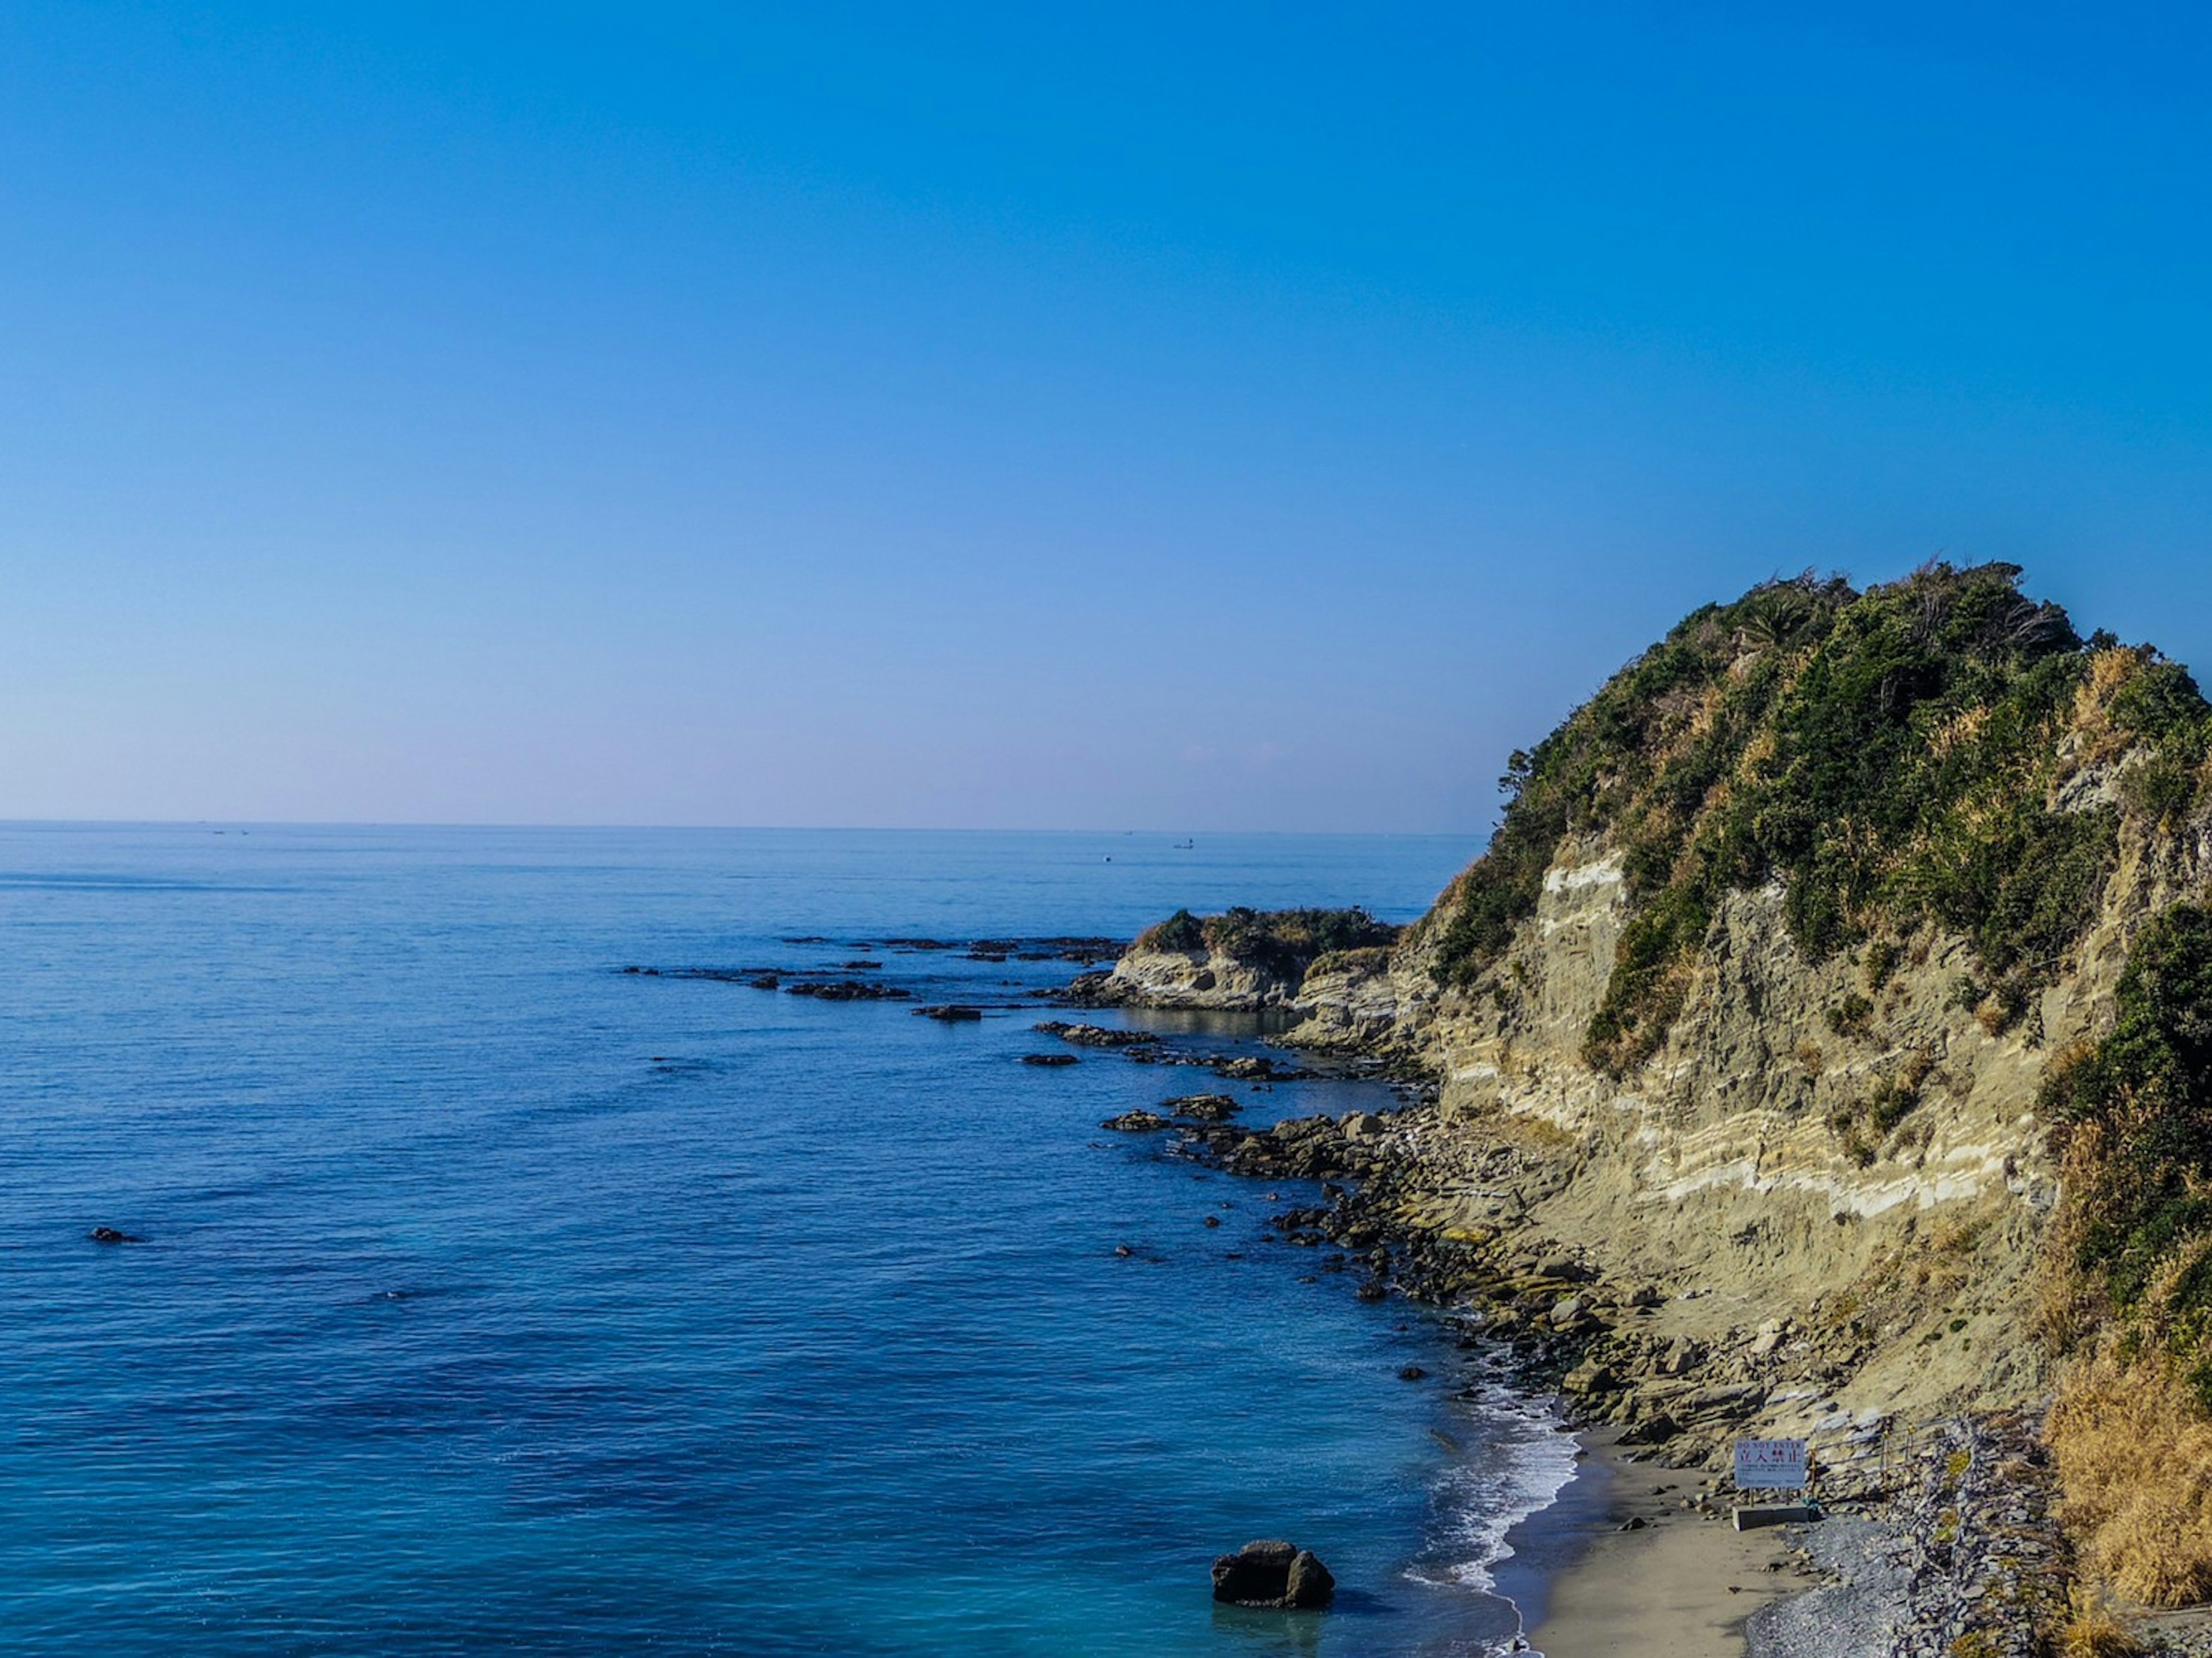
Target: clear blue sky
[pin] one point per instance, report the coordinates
(1130, 415)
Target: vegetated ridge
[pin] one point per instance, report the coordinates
(1837, 990)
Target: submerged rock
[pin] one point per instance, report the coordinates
(949, 1012)
(109, 1234)
(1273, 1573)
(1049, 1059)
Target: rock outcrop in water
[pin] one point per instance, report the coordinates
(1243, 960)
(1820, 1045)
(1272, 1574)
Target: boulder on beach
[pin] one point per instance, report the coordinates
(1273, 1573)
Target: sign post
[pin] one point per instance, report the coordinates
(1773, 1464)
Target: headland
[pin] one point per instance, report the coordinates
(1818, 1051)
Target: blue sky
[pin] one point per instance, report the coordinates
(1172, 417)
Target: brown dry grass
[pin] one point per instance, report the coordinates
(2134, 1458)
(2100, 742)
(2094, 1630)
(1959, 1235)
(1960, 730)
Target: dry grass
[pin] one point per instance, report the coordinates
(1919, 1066)
(1960, 730)
(2109, 670)
(2094, 1630)
(2065, 1309)
(2134, 1458)
(1959, 1235)
(2069, 1307)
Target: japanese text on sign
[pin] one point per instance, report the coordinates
(1770, 1463)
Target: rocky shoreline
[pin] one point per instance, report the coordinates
(1947, 1544)
(1944, 1538)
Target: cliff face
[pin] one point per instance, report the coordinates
(1756, 994)
(1742, 1169)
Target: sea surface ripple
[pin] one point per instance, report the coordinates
(495, 1299)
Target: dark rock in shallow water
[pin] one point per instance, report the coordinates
(765, 981)
(1092, 1035)
(1259, 1068)
(848, 990)
(109, 1234)
(1136, 1122)
(1272, 1574)
(1311, 1583)
(1255, 1576)
(1049, 1059)
(1203, 1107)
(949, 1012)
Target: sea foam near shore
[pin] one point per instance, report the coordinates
(1525, 1462)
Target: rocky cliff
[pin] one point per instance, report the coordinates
(1770, 1005)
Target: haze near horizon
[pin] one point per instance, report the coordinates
(1129, 417)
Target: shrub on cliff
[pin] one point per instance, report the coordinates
(2132, 1430)
(2135, 1113)
(1181, 930)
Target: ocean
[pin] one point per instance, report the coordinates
(494, 1298)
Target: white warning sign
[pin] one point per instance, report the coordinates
(1769, 1464)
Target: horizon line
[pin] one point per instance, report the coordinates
(224, 823)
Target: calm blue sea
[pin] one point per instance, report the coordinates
(495, 1300)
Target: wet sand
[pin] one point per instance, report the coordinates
(1681, 1585)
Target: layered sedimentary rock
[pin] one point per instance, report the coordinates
(1754, 1000)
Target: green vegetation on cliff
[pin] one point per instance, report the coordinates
(2130, 1272)
(1892, 757)
(2135, 1111)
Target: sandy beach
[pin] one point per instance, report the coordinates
(1679, 1585)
